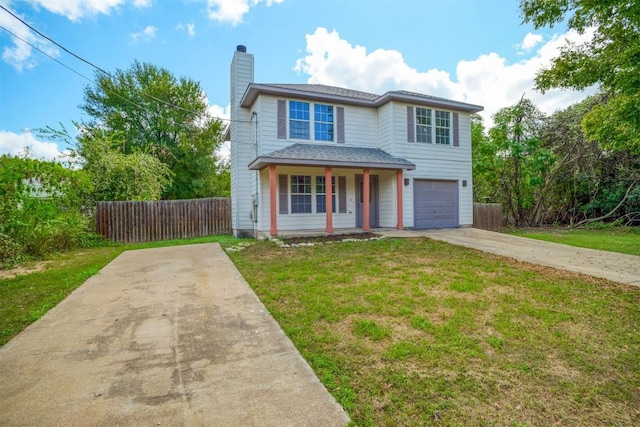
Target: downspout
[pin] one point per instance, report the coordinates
(254, 120)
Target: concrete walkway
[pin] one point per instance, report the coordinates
(161, 337)
(613, 266)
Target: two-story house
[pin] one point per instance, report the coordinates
(308, 157)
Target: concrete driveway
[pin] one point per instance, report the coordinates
(161, 337)
(613, 266)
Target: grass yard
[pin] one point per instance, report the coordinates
(625, 240)
(418, 332)
(27, 297)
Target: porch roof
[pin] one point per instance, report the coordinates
(331, 155)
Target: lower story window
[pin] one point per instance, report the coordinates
(321, 191)
(300, 194)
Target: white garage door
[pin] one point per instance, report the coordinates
(435, 204)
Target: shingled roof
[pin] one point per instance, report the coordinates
(332, 155)
(327, 90)
(349, 96)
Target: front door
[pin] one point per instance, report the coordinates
(373, 201)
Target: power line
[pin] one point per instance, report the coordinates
(46, 54)
(67, 67)
(101, 69)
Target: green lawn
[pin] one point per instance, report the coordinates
(417, 332)
(625, 240)
(25, 298)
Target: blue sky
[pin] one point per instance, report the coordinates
(469, 50)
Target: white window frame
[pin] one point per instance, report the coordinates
(313, 194)
(432, 128)
(312, 121)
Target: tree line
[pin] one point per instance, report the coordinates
(581, 164)
(148, 136)
(544, 170)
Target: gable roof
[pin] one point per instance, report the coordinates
(350, 96)
(331, 155)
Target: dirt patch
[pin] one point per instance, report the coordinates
(22, 270)
(329, 238)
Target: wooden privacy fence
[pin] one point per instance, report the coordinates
(129, 222)
(487, 216)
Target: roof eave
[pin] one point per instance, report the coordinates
(254, 89)
(436, 102)
(263, 161)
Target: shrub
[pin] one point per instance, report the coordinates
(10, 252)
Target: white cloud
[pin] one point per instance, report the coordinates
(489, 80)
(148, 34)
(529, 42)
(189, 28)
(223, 113)
(19, 144)
(232, 11)
(142, 3)
(74, 10)
(19, 55)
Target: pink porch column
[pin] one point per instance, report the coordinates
(365, 200)
(399, 226)
(272, 201)
(328, 200)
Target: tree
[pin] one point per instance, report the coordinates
(118, 176)
(114, 174)
(513, 162)
(610, 58)
(145, 110)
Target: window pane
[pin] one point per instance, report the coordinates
(299, 110)
(300, 203)
(298, 130)
(299, 120)
(443, 127)
(323, 122)
(321, 205)
(423, 125)
(323, 131)
(300, 194)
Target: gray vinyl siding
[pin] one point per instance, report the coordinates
(360, 125)
(385, 128)
(435, 161)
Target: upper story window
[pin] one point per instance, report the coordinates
(443, 127)
(423, 125)
(431, 126)
(299, 120)
(323, 122)
(310, 121)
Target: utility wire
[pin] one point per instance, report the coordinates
(102, 70)
(68, 67)
(46, 54)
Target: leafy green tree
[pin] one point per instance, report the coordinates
(114, 174)
(118, 176)
(483, 155)
(610, 58)
(145, 109)
(514, 163)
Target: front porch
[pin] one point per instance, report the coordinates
(311, 190)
